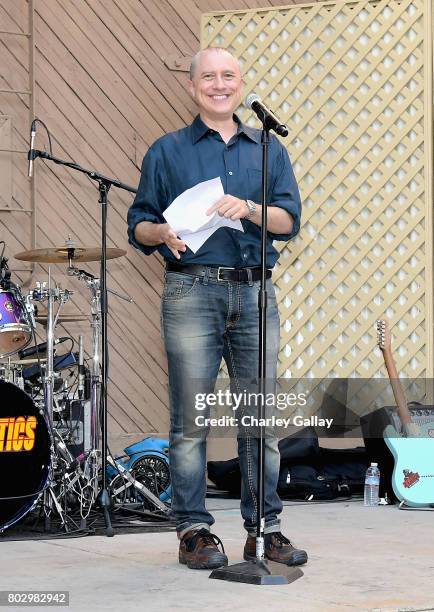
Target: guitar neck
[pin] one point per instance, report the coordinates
(398, 391)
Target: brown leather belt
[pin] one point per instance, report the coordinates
(221, 273)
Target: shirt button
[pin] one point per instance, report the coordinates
(230, 173)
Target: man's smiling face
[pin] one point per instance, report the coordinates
(216, 85)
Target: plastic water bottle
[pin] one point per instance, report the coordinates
(372, 485)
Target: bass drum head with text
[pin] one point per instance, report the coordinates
(25, 454)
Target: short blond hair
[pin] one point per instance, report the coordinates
(195, 58)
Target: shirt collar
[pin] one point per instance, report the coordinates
(199, 129)
(250, 132)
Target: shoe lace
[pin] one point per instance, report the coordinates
(280, 539)
(207, 538)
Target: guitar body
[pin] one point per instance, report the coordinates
(413, 473)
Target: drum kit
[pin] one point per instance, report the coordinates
(50, 450)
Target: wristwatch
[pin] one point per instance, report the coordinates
(252, 209)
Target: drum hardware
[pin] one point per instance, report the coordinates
(42, 293)
(81, 481)
(74, 469)
(87, 277)
(12, 372)
(60, 362)
(148, 462)
(66, 479)
(73, 423)
(63, 318)
(144, 491)
(51, 294)
(26, 362)
(121, 296)
(73, 478)
(41, 347)
(34, 387)
(93, 284)
(28, 375)
(93, 459)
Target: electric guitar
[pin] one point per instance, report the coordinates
(413, 472)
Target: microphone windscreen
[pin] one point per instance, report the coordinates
(253, 97)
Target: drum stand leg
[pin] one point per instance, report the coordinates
(49, 372)
(50, 499)
(94, 454)
(50, 502)
(95, 399)
(95, 459)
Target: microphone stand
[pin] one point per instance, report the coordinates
(261, 571)
(104, 185)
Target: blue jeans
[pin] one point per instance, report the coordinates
(204, 320)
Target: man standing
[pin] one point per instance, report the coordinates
(210, 298)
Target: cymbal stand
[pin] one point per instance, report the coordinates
(73, 479)
(93, 457)
(94, 286)
(49, 368)
(50, 498)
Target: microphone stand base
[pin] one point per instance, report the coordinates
(105, 504)
(259, 571)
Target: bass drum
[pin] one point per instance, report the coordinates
(25, 454)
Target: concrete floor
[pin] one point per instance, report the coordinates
(360, 559)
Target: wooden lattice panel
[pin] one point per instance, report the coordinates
(352, 80)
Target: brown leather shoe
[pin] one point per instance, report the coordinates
(198, 549)
(277, 548)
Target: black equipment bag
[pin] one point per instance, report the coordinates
(329, 474)
(306, 482)
(306, 470)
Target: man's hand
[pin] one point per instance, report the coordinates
(230, 207)
(171, 240)
(153, 234)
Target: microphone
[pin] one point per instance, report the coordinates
(5, 274)
(39, 348)
(267, 117)
(80, 387)
(30, 154)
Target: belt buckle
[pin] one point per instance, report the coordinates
(222, 268)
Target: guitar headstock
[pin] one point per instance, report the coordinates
(384, 339)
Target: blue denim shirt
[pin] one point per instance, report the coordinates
(181, 159)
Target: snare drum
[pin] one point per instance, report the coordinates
(25, 454)
(15, 329)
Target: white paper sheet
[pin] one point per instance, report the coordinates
(187, 214)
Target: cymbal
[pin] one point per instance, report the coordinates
(63, 318)
(60, 254)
